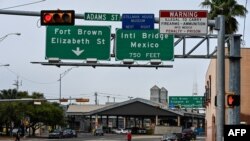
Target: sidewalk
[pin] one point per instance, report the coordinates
(7, 138)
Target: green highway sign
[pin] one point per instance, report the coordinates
(186, 101)
(144, 45)
(102, 17)
(78, 42)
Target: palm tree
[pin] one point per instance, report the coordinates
(229, 8)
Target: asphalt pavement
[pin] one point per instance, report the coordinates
(90, 137)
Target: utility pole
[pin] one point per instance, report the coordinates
(195, 87)
(60, 81)
(108, 98)
(220, 78)
(233, 114)
(114, 99)
(96, 98)
(17, 83)
(60, 88)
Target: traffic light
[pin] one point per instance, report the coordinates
(63, 100)
(215, 101)
(82, 100)
(233, 100)
(57, 17)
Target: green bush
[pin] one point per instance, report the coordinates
(150, 131)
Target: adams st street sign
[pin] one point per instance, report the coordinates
(78, 42)
(102, 16)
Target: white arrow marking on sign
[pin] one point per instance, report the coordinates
(78, 51)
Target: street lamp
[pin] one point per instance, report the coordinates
(5, 65)
(60, 82)
(5, 36)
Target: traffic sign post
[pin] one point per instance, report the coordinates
(144, 45)
(187, 101)
(78, 42)
(184, 22)
(102, 17)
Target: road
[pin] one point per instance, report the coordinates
(106, 137)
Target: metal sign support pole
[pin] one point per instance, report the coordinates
(220, 79)
(233, 114)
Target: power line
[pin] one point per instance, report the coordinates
(22, 5)
(109, 94)
(29, 79)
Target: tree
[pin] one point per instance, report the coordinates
(47, 113)
(8, 94)
(229, 8)
(8, 111)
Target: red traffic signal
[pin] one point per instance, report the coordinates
(82, 100)
(63, 100)
(57, 17)
(233, 100)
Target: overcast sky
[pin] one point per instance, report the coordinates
(20, 51)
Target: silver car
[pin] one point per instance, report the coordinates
(99, 132)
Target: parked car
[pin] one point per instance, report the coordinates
(141, 131)
(98, 132)
(120, 131)
(170, 137)
(15, 130)
(56, 134)
(74, 133)
(68, 133)
(188, 134)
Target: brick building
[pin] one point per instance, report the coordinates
(210, 123)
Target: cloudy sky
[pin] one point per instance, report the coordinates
(121, 83)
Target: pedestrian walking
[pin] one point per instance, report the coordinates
(18, 134)
(129, 136)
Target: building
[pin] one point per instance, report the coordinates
(132, 114)
(164, 96)
(210, 124)
(155, 94)
(159, 95)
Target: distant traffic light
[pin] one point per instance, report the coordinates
(82, 100)
(63, 100)
(57, 17)
(233, 100)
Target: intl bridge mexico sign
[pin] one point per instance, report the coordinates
(144, 45)
(184, 22)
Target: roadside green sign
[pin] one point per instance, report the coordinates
(78, 42)
(144, 45)
(102, 17)
(186, 101)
